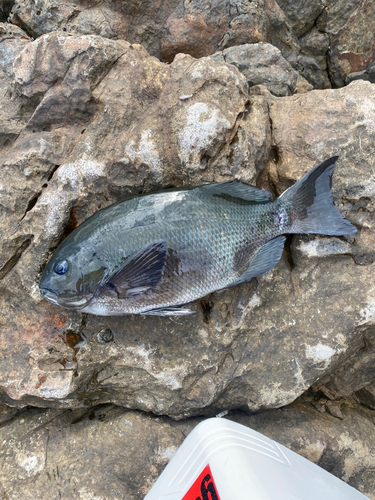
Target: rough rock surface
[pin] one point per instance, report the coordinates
(301, 15)
(104, 120)
(309, 130)
(367, 396)
(47, 450)
(336, 39)
(88, 118)
(353, 47)
(5, 8)
(105, 453)
(312, 62)
(202, 28)
(12, 42)
(163, 28)
(366, 74)
(262, 64)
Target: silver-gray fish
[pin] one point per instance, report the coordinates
(153, 254)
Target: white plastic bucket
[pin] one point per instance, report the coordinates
(222, 460)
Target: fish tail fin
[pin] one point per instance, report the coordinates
(313, 208)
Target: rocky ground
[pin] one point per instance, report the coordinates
(102, 100)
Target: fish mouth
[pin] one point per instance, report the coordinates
(53, 297)
(49, 294)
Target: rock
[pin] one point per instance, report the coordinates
(59, 101)
(335, 15)
(345, 27)
(7, 413)
(356, 374)
(301, 15)
(309, 130)
(12, 42)
(201, 29)
(367, 396)
(5, 8)
(262, 63)
(314, 127)
(302, 85)
(163, 28)
(353, 46)
(139, 22)
(248, 151)
(48, 450)
(314, 70)
(315, 43)
(312, 62)
(334, 409)
(367, 74)
(104, 120)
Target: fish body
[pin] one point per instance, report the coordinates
(152, 254)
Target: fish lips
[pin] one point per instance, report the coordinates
(53, 297)
(49, 294)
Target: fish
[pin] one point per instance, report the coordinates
(154, 254)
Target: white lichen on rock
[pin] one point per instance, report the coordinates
(204, 123)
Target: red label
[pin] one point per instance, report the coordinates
(204, 487)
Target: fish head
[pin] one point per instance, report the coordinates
(72, 277)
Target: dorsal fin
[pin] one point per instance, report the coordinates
(234, 190)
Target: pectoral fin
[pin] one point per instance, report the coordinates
(140, 272)
(265, 259)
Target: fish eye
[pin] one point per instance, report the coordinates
(61, 267)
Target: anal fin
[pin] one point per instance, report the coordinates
(169, 311)
(264, 260)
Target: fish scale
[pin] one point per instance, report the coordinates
(194, 240)
(153, 254)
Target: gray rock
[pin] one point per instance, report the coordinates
(164, 28)
(7, 413)
(356, 374)
(12, 42)
(315, 43)
(314, 70)
(104, 453)
(322, 124)
(5, 8)
(367, 396)
(302, 85)
(262, 63)
(368, 74)
(312, 62)
(301, 15)
(353, 47)
(248, 151)
(108, 452)
(336, 14)
(319, 247)
(345, 27)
